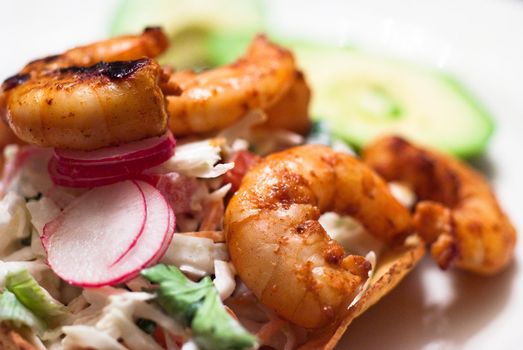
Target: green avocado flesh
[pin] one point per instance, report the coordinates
(364, 97)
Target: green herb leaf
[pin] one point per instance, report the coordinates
(33, 296)
(177, 294)
(12, 311)
(214, 328)
(198, 305)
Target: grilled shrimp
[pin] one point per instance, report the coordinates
(150, 43)
(458, 212)
(279, 248)
(74, 101)
(214, 99)
(91, 107)
(291, 111)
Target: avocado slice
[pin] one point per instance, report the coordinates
(365, 96)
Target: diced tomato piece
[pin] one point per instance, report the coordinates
(159, 337)
(243, 161)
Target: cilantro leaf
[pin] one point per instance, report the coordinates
(198, 305)
(35, 298)
(15, 313)
(177, 294)
(214, 328)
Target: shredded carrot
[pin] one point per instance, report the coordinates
(213, 216)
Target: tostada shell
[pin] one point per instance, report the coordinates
(393, 265)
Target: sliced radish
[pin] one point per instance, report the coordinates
(99, 239)
(131, 166)
(80, 181)
(116, 154)
(168, 237)
(156, 237)
(109, 165)
(95, 230)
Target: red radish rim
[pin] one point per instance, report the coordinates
(117, 153)
(77, 182)
(133, 243)
(12, 167)
(167, 237)
(50, 230)
(157, 253)
(129, 166)
(67, 181)
(167, 242)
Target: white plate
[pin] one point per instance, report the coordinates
(478, 40)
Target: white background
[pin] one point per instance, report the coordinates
(481, 41)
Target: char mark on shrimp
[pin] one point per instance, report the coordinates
(14, 81)
(113, 70)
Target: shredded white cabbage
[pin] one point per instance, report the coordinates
(267, 141)
(23, 254)
(42, 211)
(350, 234)
(32, 178)
(242, 128)
(190, 345)
(403, 194)
(370, 257)
(36, 245)
(239, 145)
(355, 240)
(88, 338)
(77, 304)
(194, 255)
(198, 159)
(34, 268)
(13, 222)
(224, 280)
(220, 193)
(111, 315)
(63, 196)
(343, 147)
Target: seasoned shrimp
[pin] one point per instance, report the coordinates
(458, 212)
(291, 111)
(77, 101)
(279, 248)
(151, 43)
(216, 98)
(91, 107)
